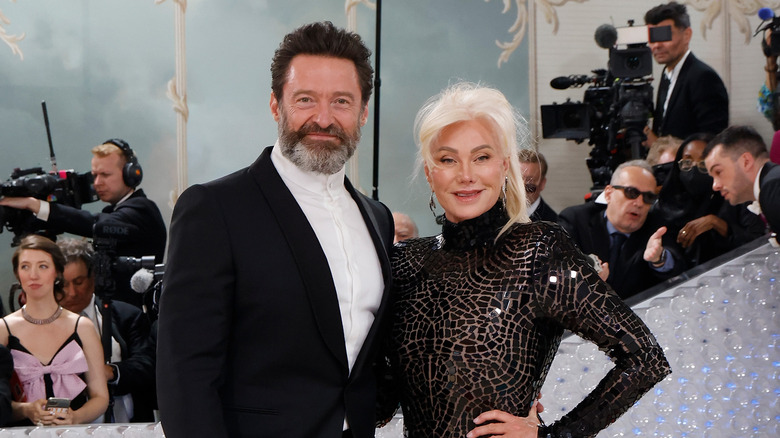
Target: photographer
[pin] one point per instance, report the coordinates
(117, 174)
(691, 95)
(130, 373)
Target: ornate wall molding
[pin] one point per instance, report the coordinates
(10, 40)
(737, 10)
(177, 93)
(350, 10)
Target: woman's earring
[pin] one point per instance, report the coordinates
(503, 192)
(432, 205)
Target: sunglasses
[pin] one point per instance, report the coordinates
(648, 198)
(685, 165)
(530, 188)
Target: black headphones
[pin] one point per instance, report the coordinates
(132, 174)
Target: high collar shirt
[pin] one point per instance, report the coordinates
(346, 242)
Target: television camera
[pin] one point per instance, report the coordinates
(65, 187)
(617, 103)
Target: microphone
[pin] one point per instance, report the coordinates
(564, 82)
(606, 36)
(142, 280)
(766, 14)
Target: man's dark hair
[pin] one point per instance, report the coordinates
(671, 10)
(324, 39)
(736, 140)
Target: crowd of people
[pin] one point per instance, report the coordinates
(313, 316)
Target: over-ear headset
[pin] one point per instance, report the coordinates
(132, 174)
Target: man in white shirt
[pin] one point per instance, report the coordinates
(130, 371)
(276, 277)
(691, 96)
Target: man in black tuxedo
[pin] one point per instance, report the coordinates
(130, 372)
(534, 168)
(738, 161)
(691, 96)
(277, 275)
(624, 234)
(136, 218)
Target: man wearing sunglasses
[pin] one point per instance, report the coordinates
(534, 168)
(625, 235)
(738, 161)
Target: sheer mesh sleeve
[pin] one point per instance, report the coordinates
(571, 294)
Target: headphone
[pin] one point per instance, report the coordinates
(132, 174)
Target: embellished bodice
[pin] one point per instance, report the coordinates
(478, 319)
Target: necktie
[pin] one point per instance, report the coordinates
(658, 116)
(617, 239)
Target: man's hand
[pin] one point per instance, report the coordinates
(655, 246)
(31, 204)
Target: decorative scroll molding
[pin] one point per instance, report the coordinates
(737, 10)
(518, 27)
(177, 93)
(10, 40)
(350, 10)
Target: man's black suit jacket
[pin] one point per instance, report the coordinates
(250, 340)
(769, 195)
(130, 327)
(544, 213)
(698, 103)
(138, 215)
(587, 226)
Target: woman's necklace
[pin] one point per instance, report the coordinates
(48, 320)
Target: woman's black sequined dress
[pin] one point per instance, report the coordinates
(478, 322)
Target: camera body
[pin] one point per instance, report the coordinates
(617, 104)
(65, 187)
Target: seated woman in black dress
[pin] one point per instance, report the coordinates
(705, 224)
(480, 309)
(57, 353)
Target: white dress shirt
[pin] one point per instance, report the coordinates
(346, 242)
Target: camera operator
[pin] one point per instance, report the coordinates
(130, 373)
(116, 175)
(691, 95)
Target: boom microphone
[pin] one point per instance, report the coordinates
(766, 14)
(564, 82)
(141, 280)
(606, 36)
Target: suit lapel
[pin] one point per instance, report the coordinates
(381, 246)
(307, 252)
(678, 85)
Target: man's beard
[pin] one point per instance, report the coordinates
(325, 157)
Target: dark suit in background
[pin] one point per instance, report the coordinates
(544, 212)
(250, 286)
(698, 103)
(587, 225)
(131, 329)
(769, 195)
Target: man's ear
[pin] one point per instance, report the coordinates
(274, 104)
(364, 115)
(746, 162)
